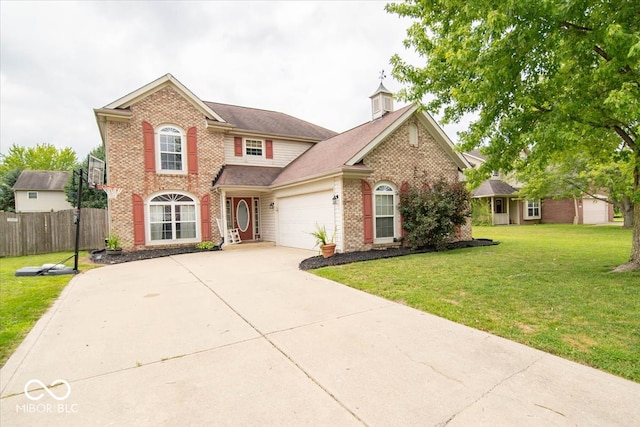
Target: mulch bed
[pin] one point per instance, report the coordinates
(101, 257)
(350, 257)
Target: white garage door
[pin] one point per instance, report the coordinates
(594, 211)
(298, 215)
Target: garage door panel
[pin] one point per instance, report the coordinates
(298, 216)
(594, 211)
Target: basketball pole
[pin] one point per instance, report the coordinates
(77, 219)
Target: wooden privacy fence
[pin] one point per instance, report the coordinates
(47, 232)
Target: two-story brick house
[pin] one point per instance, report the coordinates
(187, 166)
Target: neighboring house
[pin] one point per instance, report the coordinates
(506, 206)
(186, 166)
(41, 191)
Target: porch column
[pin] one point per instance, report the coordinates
(508, 201)
(223, 213)
(493, 210)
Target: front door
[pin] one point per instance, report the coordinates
(243, 218)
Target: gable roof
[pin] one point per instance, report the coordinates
(41, 180)
(343, 152)
(493, 187)
(268, 122)
(166, 80)
(217, 115)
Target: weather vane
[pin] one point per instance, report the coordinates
(382, 75)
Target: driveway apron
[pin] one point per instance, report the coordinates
(245, 338)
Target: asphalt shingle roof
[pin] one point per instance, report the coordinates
(42, 180)
(334, 153)
(261, 176)
(269, 122)
(493, 187)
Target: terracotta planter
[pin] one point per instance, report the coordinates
(328, 250)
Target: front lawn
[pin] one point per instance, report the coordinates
(23, 300)
(547, 286)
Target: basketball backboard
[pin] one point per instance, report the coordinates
(95, 172)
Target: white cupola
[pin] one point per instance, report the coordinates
(381, 102)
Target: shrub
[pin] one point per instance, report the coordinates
(206, 245)
(480, 212)
(430, 215)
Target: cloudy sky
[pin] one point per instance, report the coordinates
(318, 61)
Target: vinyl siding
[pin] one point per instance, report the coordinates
(284, 152)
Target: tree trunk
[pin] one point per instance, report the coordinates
(634, 260)
(626, 207)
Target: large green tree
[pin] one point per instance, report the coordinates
(41, 157)
(542, 77)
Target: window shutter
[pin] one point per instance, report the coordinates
(367, 212)
(237, 146)
(269, 148)
(192, 149)
(149, 147)
(205, 218)
(138, 220)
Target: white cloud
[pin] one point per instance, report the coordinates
(315, 60)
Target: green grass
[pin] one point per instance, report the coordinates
(547, 286)
(23, 300)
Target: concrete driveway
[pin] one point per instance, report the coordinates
(245, 338)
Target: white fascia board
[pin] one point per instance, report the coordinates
(340, 172)
(381, 137)
(158, 84)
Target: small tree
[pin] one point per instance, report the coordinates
(480, 212)
(431, 215)
(7, 197)
(91, 198)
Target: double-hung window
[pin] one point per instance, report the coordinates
(385, 213)
(171, 149)
(532, 209)
(253, 147)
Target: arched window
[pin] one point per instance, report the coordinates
(171, 149)
(172, 217)
(385, 212)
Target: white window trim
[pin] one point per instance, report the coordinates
(262, 148)
(396, 216)
(183, 139)
(29, 193)
(526, 209)
(147, 220)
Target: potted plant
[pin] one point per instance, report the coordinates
(113, 245)
(327, 245)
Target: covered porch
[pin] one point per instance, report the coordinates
(247, 204)
(501, 199)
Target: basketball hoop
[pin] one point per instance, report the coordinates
(111, 190)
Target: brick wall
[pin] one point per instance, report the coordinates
(561, 211)
(395, 161)
(125, 159)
